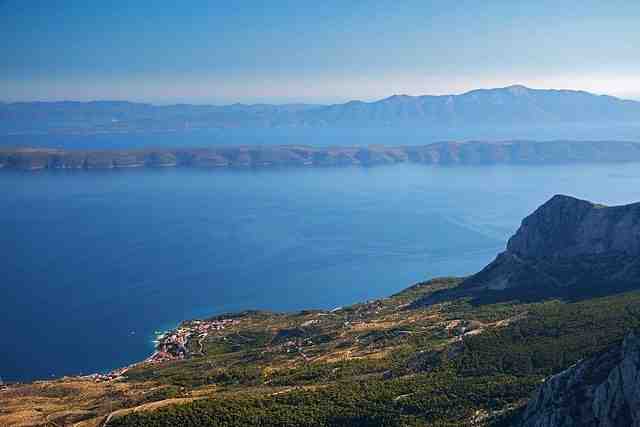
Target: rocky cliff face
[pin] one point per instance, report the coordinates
(568, 227)
(602, 391)
(569, 248)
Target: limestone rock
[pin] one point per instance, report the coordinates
(570, 248)
(602, 391)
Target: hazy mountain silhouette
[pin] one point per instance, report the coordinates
(512, 105)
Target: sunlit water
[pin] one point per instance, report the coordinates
(94, 262)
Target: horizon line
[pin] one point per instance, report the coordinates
(512, 86)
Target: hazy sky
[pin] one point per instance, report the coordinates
(311, 51)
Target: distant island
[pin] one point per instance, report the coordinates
(443, 153)
(508, 106)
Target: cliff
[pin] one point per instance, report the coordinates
(569, 227)
(602, 391)
(569, 248)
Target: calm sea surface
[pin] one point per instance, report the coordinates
(94, 262)
(324, 136)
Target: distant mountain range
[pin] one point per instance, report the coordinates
(512, 105)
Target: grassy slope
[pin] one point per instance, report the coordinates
(381, 363)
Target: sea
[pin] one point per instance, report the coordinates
(96, 263)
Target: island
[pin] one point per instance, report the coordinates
(442, 153)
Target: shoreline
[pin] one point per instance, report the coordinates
(172, 344)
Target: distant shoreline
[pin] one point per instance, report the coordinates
(441, 153)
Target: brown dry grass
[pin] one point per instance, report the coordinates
(63, 402)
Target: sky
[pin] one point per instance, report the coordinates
(167, 51)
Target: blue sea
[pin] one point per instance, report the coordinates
(325, 136)
(94, 262)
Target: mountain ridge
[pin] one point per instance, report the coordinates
(514, 88)
(567, 248)
(515, 104)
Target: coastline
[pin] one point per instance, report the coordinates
(172, 344)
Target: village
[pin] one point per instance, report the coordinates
(172, 345)
(175, 344)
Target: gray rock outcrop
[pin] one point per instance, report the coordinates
(567, 227)
(570, 248)
(602, 391)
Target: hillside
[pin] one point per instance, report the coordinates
(396, 361)
(508, 106)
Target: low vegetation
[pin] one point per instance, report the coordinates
(385, 362)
